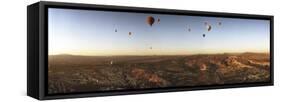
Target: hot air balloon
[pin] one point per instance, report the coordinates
(189, 29)
(206, 23)
(158, 20)
(150, 20)
(130, 33)
(151, 47)
(115, 30)
(204, 35)
(209, 27)
(219, 23)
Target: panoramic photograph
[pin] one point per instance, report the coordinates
(93, 51)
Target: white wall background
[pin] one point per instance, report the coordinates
(13, 51)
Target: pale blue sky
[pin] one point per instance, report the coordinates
(89, 32)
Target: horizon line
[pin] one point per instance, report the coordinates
(163, 54)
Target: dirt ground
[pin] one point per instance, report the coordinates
(69, 73)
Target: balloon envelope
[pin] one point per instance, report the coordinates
(206, 23)
(209, 27)
(150, 20)
(219, 23)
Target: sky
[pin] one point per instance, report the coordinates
(90, 32)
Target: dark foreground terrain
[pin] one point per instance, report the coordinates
(68, 73)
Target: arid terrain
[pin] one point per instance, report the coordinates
(70, 73)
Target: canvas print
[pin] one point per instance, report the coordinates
(93, 51)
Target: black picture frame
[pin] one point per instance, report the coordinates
(37, 48)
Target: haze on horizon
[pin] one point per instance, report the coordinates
(89, 32)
